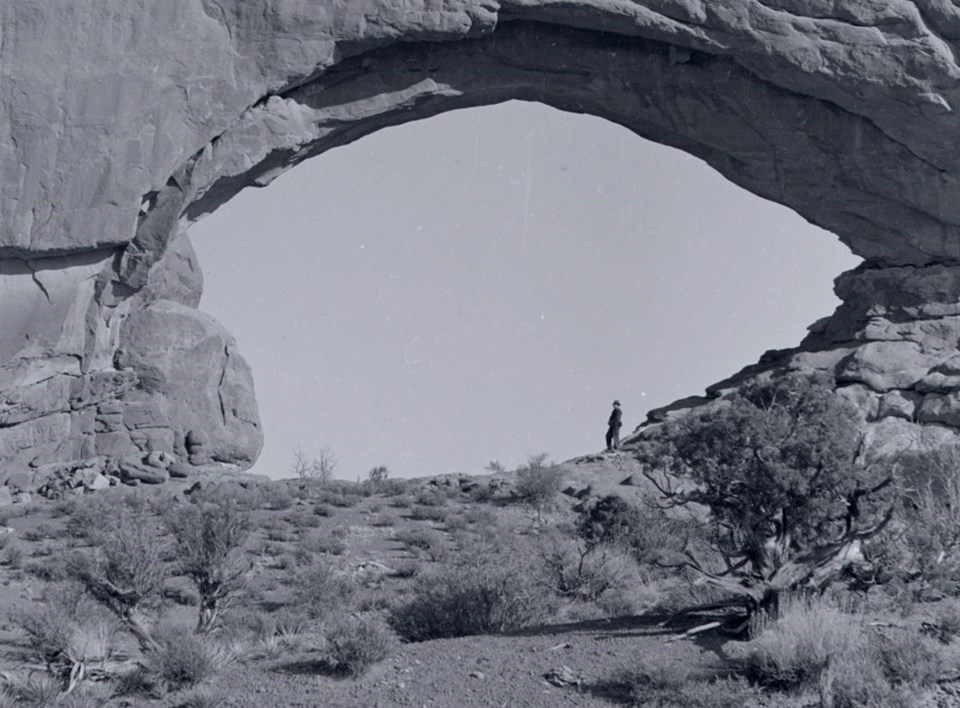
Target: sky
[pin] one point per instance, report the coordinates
(481, 286)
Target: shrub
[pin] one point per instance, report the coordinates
(209, 532)
(908, 658)
(275, 495)
(430, 497)
(383, 520)
(791, 650)
(538, 484)
(393, 487)
(323, 543)
(428, 513)
(478, 594)
(319, 591)
(181, 659)
(671, 686)
(322, 510)
(356, 644)
(303, 520)
(13, 555)
(126, 571)
(584, 572)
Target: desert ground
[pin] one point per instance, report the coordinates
(322, 604)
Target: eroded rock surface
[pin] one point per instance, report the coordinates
(121, 123)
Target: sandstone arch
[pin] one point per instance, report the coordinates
(122, 125)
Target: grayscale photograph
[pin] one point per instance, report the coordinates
(480, 353)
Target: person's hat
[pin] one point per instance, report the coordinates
(616, 403)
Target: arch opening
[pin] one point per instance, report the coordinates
(477, 285)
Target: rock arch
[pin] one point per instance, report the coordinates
(121, 125)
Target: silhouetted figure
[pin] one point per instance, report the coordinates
(613, 428)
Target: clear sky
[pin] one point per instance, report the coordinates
(481, 285)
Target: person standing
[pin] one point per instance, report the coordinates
(613, 428)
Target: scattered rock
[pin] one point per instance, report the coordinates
(179, 470)
(160, 459)
(563, 676)
(19, 481)
(133, 469)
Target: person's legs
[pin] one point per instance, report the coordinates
(616, 438)
(611, 432)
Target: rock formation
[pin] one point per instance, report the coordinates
(122, 123)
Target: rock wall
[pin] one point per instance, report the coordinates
(122, 123)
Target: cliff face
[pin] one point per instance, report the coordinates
(121, 123)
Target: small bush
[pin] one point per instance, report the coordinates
(356, 644)
(584, 572)
(791, 650)
(474, 596)
(428, 513)
(319, 591)
(303, 520)
(323, 543)
(322, 510)
(383, 521)
(181, 660)
(908, 658)
(209, 532)
(671, 687)
(538, 484)
(13, 555)
(430, 497)
(275, 495)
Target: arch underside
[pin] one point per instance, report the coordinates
(842, 131)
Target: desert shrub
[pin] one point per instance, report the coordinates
(538, 483)
(36, 691)
(320, 592)
(383, 520)
(455, 522)
(576, 570)
(418, 538)
(930, 514)
(481, 517)
(322, 510)
(946, 624)
(671, 686)
(792, 648)
(378, 476)
(202, 697)
(356, 644)
(125, 572)
(209, 532)
(325, 543)
(430, 497)
(405, 569)
(649, 534)
(345, 500)
(181, 659)
(13, 555)
(280, 535)
(909, 658)
(275, 495)
(302, 520)
(393, 487)
(479, 593)
(428, 513)
(401, 502)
